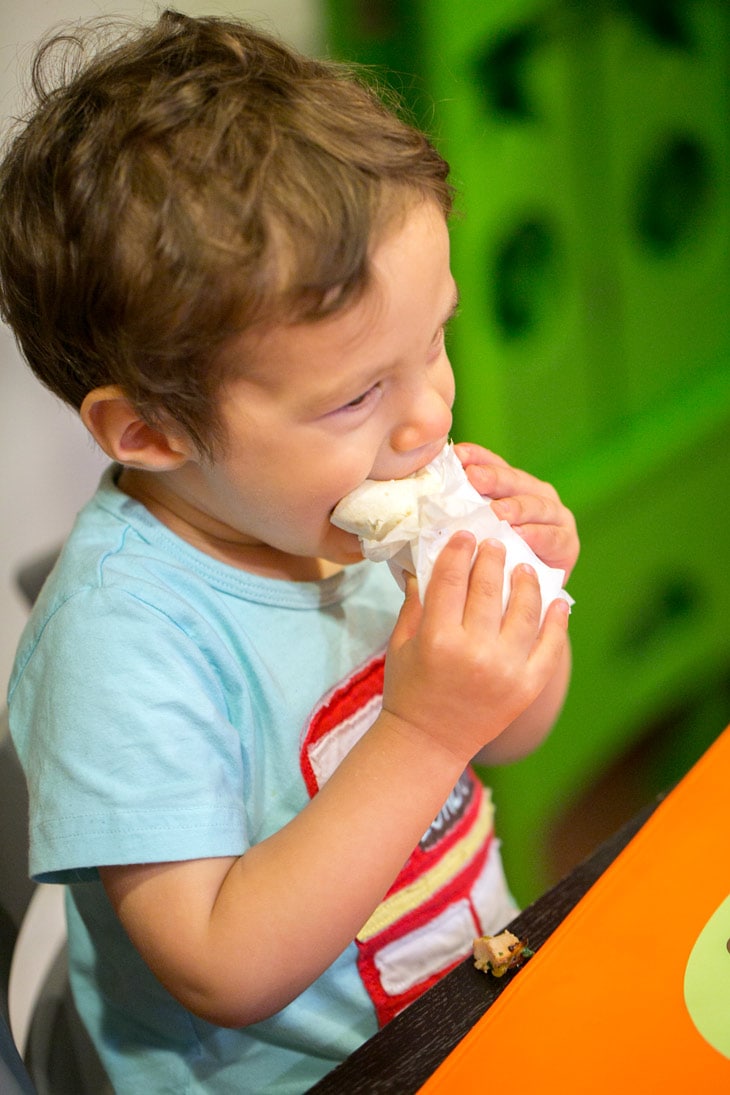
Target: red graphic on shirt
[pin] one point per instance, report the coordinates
(425, 924)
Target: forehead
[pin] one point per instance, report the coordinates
(410, 291)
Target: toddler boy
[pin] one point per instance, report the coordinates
(248, 758)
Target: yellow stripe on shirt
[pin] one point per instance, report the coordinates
(415, 894)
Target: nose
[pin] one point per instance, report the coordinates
(426, 418)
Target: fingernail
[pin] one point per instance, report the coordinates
(463, 537)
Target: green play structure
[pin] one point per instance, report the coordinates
(590, 145)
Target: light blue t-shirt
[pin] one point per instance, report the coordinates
(167, 706)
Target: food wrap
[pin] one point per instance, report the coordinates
(406, 523)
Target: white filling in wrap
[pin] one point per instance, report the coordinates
(406, 522)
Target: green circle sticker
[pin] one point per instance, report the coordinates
(707, 980)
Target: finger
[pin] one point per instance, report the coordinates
(558, 611)
(536, 509)
(445, 596)
(556, 545)
(480, 465)
(483, 608)
(411, 586)
(521, 620)
(550, 647)
(475, 455)
(410, 614)
(496, 481)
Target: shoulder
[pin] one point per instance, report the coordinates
(115, 600)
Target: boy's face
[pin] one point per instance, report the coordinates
(316, 408)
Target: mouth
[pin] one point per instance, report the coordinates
(425, 457)
(378, 506)
(428, 455)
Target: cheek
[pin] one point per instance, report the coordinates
(351, 463)
(447, 384)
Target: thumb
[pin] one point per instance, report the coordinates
(409, 616)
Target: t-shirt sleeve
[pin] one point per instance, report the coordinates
(122, 717)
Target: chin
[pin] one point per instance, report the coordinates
(344, 558)
(344, 549)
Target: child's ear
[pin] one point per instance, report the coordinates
(117, 428)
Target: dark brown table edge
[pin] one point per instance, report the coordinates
(401, 1057)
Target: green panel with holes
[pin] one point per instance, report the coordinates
(649, 630)
(495, 85)
(665, 70)
(509, 126)
(590, 145)
(382, 34)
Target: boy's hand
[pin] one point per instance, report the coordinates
(457, 670)
(531, 506)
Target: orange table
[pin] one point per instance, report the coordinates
(613, 1000)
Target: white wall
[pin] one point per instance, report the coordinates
(49, 466)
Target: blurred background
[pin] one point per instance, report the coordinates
(590, 145)
(50, 468)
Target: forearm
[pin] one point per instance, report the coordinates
(235, 940)
(534, 724)
(252, 933)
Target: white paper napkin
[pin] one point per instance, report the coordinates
(407, 522)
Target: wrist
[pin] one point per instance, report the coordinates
(417, 749)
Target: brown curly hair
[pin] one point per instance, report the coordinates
(189, 180)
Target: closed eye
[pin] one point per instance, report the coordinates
(439, 339)
(360, 400)
(438, 342)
